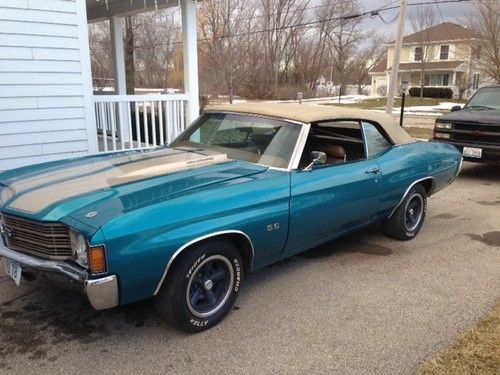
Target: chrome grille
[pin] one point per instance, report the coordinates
(47, 240)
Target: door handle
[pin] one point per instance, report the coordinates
(373, 170)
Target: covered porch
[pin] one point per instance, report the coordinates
(127, 122)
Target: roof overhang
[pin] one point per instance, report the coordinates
(436, 42)
(102, 9)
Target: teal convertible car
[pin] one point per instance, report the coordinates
(244, 186)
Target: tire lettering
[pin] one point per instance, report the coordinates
(193, 267)
(238, 274)
(198, 323)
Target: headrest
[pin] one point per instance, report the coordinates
(334, 151)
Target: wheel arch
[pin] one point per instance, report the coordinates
(428, 183)
(240, 239)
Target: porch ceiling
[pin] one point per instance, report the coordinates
(102, 9)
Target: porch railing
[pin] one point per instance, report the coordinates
(127, 122)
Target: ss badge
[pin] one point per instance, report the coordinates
(272, 227)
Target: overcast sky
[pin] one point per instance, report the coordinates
(452, 12)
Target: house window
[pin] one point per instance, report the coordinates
(445, 50)
(476, 52)
(418, 54)
(437, 79)
(475, 81)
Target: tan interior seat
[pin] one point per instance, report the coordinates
(334, 154)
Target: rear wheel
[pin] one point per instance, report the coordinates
(409, 217)
(201, 287)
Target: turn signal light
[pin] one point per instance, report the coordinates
(97, 259)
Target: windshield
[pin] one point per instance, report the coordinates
(485, 98)
(243, 137)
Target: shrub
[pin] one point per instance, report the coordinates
(382, 90)
(433, 92)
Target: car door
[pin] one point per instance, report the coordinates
(333, 199)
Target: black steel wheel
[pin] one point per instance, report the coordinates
(209, 286)
(414, 209)
(408, 218)
(201, 287)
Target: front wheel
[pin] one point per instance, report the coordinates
(202, 286)
(408, 218)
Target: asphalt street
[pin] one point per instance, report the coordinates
(364, 304)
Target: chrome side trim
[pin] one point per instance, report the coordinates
(183, 247)
(45, 265)
(102, 293)
(408, 190)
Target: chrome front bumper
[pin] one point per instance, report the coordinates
(102, 293)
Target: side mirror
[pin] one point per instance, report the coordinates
(456, 108)
(318, 158)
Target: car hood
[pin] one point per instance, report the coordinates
(91, 191)
(483, 116)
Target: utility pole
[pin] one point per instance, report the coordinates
(393, 81)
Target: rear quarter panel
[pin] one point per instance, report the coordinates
(403, 165)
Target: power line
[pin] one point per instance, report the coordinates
(489, 7)
(341, 18)
(442, 18)
(373, 12)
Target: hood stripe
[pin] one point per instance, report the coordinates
(75, 171)
(38, 199)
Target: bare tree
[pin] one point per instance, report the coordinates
(255, 48)
(156, 34)
(485, 22)
(344, 34)
(228, 44)
(421, 20)
(365, 59)
(281, 20)
(463, 84)
(129, 55)
(100, 55)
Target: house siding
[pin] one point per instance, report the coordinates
(45, 86)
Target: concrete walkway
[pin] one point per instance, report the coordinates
(365, 304)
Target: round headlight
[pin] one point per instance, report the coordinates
(79, 246)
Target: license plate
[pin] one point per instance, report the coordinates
(473, 152)
(14, 270)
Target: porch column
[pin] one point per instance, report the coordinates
(190, 56)
(118, 52)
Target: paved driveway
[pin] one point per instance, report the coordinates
(361, 305)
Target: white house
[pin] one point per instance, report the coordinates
(47, 107)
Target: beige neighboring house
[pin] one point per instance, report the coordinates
(445, 53)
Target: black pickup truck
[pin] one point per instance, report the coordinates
(475, 128)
